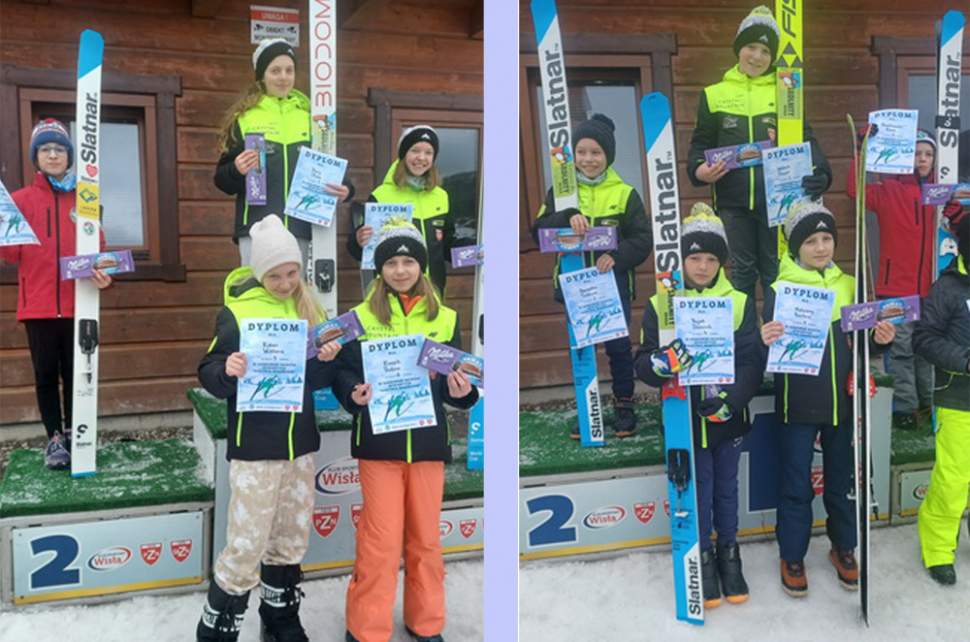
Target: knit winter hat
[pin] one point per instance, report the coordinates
(400, 240)
(703, 231)
(273, 245)
(267, 51)
(805, 219)
(417, 134)
(600, 128)
(923, 136)
(50, 130)
(758, 26)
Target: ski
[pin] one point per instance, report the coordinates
(322, 263)
(476, 416)
(790, 83)
(861, 401)
(87, 299)
(948, 76)
(658, 137)
(558, 134)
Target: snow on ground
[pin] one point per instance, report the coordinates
(173, 618)
(629, 598)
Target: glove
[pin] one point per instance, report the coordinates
(715, 409)
(568, 212)
(815, 185)
(670, 359)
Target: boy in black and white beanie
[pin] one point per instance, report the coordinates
(758, 26)
(806, 219)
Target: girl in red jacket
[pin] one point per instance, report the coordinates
(45, 303)
(907, 231)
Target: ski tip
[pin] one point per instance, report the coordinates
(953, 22)
(543, 13)
(90, 52)
(655, 114)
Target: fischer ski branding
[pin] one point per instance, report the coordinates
(322, 264)
(948, 76)
(790, 83)
(658, 136)
(558, 134)
(87, 166)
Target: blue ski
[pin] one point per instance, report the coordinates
(658, 137)
(558, 134)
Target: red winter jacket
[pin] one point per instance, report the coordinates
(42, 294)
(906, 234)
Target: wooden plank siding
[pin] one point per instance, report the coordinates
(154, 332)
(842, 77)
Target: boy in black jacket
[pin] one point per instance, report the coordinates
(605, 200)
(741, 109)
(942, 336)
(809, 405)
(721, 419)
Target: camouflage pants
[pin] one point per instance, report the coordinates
(270, 511)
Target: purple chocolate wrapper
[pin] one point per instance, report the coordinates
(81, 267)
(466, 255)
(731, 154)
(563, 239)
(865, 315)
(941, 194)
(256, 179)
(444, 359)
(344, 328)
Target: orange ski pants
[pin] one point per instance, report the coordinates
(402, 510)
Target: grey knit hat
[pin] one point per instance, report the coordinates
(703, 231)
(400, 240)
(758, 26)
(805, 219)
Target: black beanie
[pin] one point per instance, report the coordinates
(600, 128)
(805, 219)
(267, 51)
(402, 240)
(414, 135)
(758, 26)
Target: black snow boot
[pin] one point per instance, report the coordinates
(729, 568)
(944, 574)
(222, 615)
(624, 418)
(279, 605)
(424, 638)
(709, 582)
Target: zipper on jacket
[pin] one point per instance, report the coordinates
(23, 291)
(703, 425)
(786, 398)
(889, 263)
(835, 385)
(49, 221)
(358, 427)
(57, 254)
(290, 435)
(751, 140)
(286, 171)
(239, 420)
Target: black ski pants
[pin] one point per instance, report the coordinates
(753, 246)
(51, 343)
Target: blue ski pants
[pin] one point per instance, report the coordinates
(717, 491)
(794, 526)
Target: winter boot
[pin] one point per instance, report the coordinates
(349, 637)
(222, 616)
(729, 568)
(624, 419)
(574, 431)
(56, 456)
(709, 582)
(793, 578)
(279, 604)
(846, 567)
(944, 574)
(424, 638)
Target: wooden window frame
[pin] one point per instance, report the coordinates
(900, 57)
(21, 88)
(646, 59)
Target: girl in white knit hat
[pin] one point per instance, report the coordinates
(270, 453)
